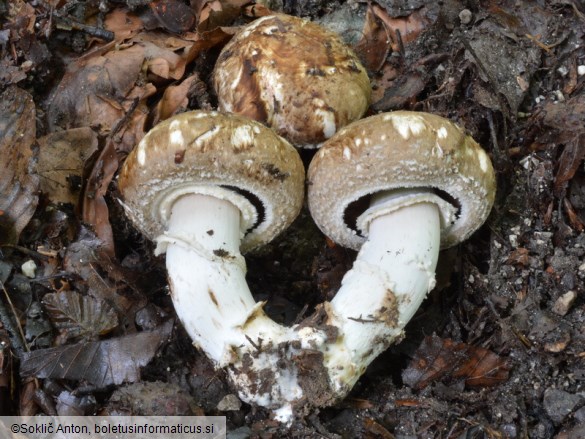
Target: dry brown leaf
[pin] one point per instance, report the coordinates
(60, 163)
(27, 406)
(18, 183)
(374, 45)
(94, 209)
(437, 358)
(402, 93)
(163, 62)
(256, 11)
(100, 363)
(173, 15)
(76, 316)
(566, 121)
(81, 98)
(519, 256)
(212, 14)
(570, 160)
(576, 222)
(208, 40)
(102, 276)
(175, 99)
(99, 90)
(123, 23)
(409, 27)
(375, 430)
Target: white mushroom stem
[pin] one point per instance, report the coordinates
(207, 277)
(275, 366)
(393, 272)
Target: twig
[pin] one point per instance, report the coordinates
(18, 343)
(124, 119)
(26, 251)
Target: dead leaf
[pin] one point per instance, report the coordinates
(437, 358)
(85, 94)
(375, 430)
(68, 404)
(173, 15)
(520, 256)
(62, 156)
(102, 276)
(481, 368)
(405, 28)
(401, 93)
(163, 62)
(576, 222)
(27, 406)
(570, 160)
(374, 45)
(175, 99)
(18, 183)
(100, 363)
(212, 14)
(123, 23)
(77, 316)
(94, 209)
(208, 40)
(256, 11)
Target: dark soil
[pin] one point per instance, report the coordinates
(496, 351)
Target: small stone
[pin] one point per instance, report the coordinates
(29, 269)
(465, 16)
(581, 70)
(563, 304)
(559, 404)
(229, 402)
(579, 415)
(557, 341)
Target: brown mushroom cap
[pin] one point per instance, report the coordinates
(393, 151)
(198, 151)
(296, 76)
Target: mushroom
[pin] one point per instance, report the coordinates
(293, 75)
(397, 186)
(206, 186)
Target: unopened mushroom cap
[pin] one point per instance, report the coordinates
(295, 76)
(198, 151)
(394, 151)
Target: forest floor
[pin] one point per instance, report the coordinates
(496, 351)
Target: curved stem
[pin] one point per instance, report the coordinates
(393, 272)
(213, 301)
(201, 230)
(320, 359)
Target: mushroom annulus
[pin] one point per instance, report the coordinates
(293, 75)
(207, 186)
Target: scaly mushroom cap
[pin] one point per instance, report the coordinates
(293, 75)
(393, 151)
(216, 154)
